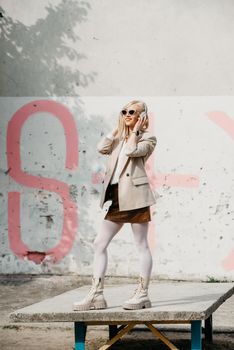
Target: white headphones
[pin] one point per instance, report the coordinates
(144, 113)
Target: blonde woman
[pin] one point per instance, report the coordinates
(126, 184)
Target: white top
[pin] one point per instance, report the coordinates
(116, 173)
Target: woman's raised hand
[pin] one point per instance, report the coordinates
(140, 122)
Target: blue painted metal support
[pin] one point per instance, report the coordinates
(80, 329)
(196, 335)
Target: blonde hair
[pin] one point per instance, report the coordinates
(123, 130)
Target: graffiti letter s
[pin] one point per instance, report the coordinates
(70, 220)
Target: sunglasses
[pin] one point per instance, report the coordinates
(131, 112)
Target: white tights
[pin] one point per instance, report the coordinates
(107, 232)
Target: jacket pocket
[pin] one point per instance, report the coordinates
(140, 180)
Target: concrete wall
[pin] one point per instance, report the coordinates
(51, 177)
(67, 67)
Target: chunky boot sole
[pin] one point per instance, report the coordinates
(92, 305)
(140, 305)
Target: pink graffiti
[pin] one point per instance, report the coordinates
(97, 177)
(156, 181)
(228, 261)
(159, 180)
(221, 119)
(70, 221)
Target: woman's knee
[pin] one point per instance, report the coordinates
(99, 245)
(142, 245)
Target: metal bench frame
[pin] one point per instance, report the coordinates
(117, 332)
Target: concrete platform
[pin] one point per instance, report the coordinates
(180, 302)
(170, 301)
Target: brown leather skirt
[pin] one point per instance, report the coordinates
(134, 216)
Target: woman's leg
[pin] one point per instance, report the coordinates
(140, 299)
(140, 231)
(107, 232)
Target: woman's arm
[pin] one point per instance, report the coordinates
(105, 145)
(140, 148)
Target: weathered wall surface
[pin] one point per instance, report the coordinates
(51, 177)
(67, 67)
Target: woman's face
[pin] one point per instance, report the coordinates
(131, 115)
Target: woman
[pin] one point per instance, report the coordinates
(127, 185)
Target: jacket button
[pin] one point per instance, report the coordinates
(103, 181)
(127, 174)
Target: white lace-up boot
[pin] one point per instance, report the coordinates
(94, 299)
(139, 299)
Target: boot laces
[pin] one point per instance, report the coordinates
(139, 287)
(92, 289)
